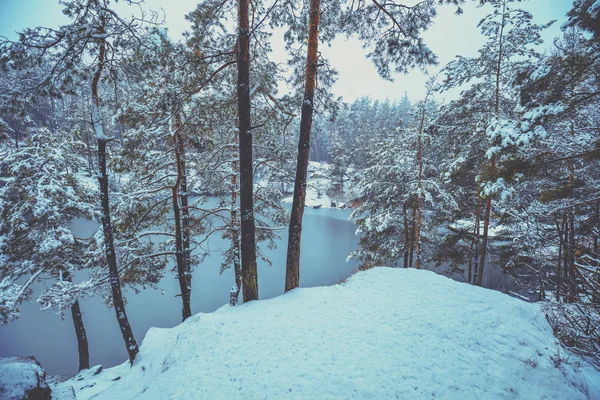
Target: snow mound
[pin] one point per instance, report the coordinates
(384, 334)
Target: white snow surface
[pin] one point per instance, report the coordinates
(384, 334)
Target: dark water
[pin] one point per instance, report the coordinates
(327, 238)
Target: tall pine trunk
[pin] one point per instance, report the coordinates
(419, 188)
(248, 230)
(292, 271)
(406, 235)
(235, 239)
(109, 246)
(181, 218)
(488, 201)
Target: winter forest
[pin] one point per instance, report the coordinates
(204, 217)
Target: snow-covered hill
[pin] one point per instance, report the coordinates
(384, 334)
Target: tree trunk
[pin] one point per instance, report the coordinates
(111, 259)
(406, 236)
(571, 230)
(248, 230)
(488, 202)
(560, 254)
(235, 239)
(419, 187)
(109, 246)
(477, 239)
(412, 237)
(484, 236)
(181, 218)
(82, 342)
(292, 272)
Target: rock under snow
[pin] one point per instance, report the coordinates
(23, 378)
(384, 334)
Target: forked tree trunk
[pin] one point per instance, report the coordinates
(181, 218)
(292, 271)
(248, 230)
(109, 246)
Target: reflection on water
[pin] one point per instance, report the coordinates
(327, 239)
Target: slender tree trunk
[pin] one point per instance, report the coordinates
(474, 246)
(248, 230)
(406, 236)
(560, 254)
(488, 202)
(571, 230)
(181, 218)
(235, 239)
(412, 237)
(484, 239)
(82, 341)
(420, 187)
(477, 240)
(292, 275)
(111, 258)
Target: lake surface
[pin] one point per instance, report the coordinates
(327, 239)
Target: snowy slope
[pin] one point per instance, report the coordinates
(384, 334)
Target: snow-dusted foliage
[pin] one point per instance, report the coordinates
(42, 192)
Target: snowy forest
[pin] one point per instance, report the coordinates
(130, 158)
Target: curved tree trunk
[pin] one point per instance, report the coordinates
(109, 246)
(292, 271)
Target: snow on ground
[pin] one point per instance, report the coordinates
(384, 334)
(317, 188)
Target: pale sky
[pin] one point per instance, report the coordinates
(449, 36)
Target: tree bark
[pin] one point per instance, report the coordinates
(406, 236)
(488, 201)
(181, 218)
(82, 342)
(248, 230)
(109, 247)
(412, 237)
(235, 239)
(420, 187)
(292, 273)
(477, 239)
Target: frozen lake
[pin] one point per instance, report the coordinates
(327, 239)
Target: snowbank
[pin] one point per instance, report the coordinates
(22, 378)
(385, 333)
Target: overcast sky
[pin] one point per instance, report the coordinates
(449, 36)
